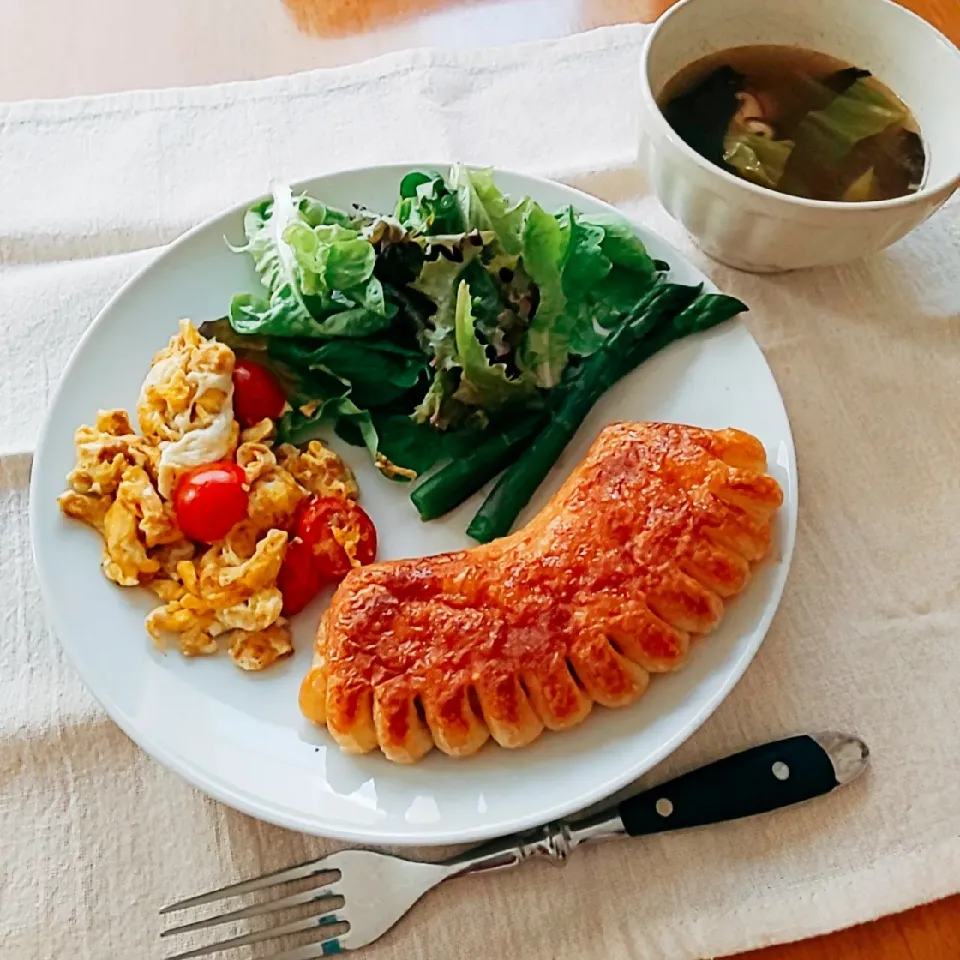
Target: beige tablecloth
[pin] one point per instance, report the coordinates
(95, 836)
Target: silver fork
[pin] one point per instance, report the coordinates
(361, 893)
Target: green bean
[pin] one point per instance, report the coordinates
(464, 476)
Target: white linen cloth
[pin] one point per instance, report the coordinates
(95, 836)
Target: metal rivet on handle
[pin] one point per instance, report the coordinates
(664, 807)
(780, 770)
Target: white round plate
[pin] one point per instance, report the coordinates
(240, 737)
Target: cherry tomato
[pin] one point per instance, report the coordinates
(315, 528)
(256, 393)
(298, 580)
(314, 558)
(210, 499)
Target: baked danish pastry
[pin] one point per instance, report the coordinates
(631, 559)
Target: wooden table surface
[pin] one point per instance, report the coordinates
(55, 48)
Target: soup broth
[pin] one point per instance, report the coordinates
(797, 121)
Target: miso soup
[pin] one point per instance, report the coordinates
(797, 121)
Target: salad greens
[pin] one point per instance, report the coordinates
(448, 332)
(482, 383)
(317, 272)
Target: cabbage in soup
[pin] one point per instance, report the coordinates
(797, 121)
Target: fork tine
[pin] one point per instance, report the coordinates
(299, 872)
(255, 910)
(295, 926)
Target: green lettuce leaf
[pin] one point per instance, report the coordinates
(332, 257)
(545, 349)
(338, 279)
(442, 411)
(496, 306)
(622, 245)
(318, 214)
(439, 280)
(438, 408)
(413, 445)
(482, 383)
(604, 271)
(484, 207)
(409, 445)
(584, 263)
(589, 333)
(606, 287)
(284, 308)
(298, 426)
(350, 422)
(317, 276)
(348, 414)
(426, 205)
(254, 315)
(602, 309)
(377, 371)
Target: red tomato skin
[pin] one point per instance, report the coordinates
(314, 559)
(315, 528)
(298, 580)
(256, 393)
(210, 500)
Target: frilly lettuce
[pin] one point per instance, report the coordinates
(438, 281)
(317, 276)
(482, 383)
(427, 205)
(484, 207)
(546, 348)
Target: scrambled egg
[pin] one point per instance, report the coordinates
(122, 486)
(319, 470)
(230, 587)
(105, 450)
(349, 540)
(186, 405)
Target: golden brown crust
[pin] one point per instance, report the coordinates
(608, 583)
